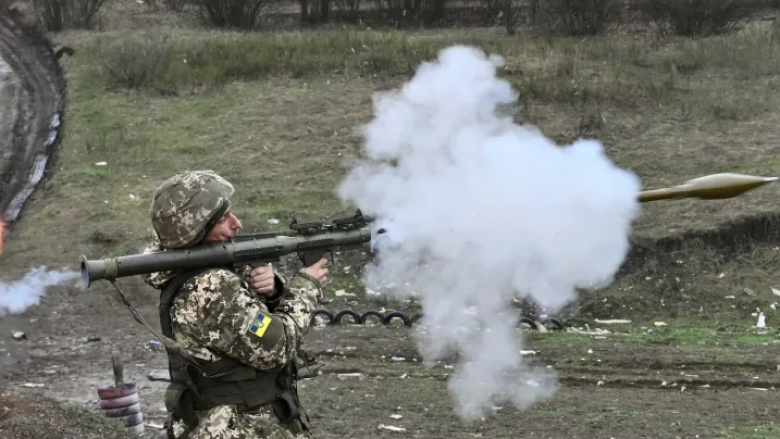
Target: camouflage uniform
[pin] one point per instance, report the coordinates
(214, 315)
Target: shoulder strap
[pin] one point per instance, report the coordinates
(168, 293)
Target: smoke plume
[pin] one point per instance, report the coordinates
(17, 296)
(479, 209)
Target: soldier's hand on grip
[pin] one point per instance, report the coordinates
(262, 280)
(318, 271)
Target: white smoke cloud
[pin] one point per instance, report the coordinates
(17, 296)
(479, 209)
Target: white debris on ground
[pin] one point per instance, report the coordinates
(391, 428)
(588, 331)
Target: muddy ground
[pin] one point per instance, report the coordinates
(656, 382)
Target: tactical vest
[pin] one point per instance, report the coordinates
(202, 386)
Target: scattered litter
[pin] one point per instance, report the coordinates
(159, 375)
(773, 306)
(660, 323)
(759, 388)
(354, 374)
(19, 335)
(588, 331)
(273, 221)
(730, 297)
(32, 385)
(761, 321)
(101, 164)
(156, 346)
(748, 291)
(528, 352)
(398, 358)
(612, 321)
(396, 417)
(722, 275)
(776, 292)
(155, 425)
(390, 427)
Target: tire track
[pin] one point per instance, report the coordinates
(37, 130)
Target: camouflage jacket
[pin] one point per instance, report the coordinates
(217, 315)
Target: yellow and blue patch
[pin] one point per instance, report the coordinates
(259, 324)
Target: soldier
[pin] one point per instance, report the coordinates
(241, 330)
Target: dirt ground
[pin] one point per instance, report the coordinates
(659, 382)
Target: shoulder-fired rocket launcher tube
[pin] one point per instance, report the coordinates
(311, 242)
(246, 250)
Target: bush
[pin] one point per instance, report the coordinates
(587, 17)
(59, 15)
(699, 17)
(134, 62)
(175, 5)
(192, 63)
(238, 14)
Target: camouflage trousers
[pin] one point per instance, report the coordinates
(225, 422)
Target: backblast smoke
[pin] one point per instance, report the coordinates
(17, 296)
(479, 209)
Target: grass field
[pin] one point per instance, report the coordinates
(276, 113)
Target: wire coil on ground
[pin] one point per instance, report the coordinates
(350, 316)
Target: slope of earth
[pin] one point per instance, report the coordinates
(33, 416)
(33, 100)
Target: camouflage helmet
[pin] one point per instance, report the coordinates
(187, 206)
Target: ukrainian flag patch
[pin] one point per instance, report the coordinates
(259, 324)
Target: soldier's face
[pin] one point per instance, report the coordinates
(225, 229)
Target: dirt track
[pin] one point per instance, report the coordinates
(36, 131)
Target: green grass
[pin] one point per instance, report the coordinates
(276, 114)
(766, 431)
